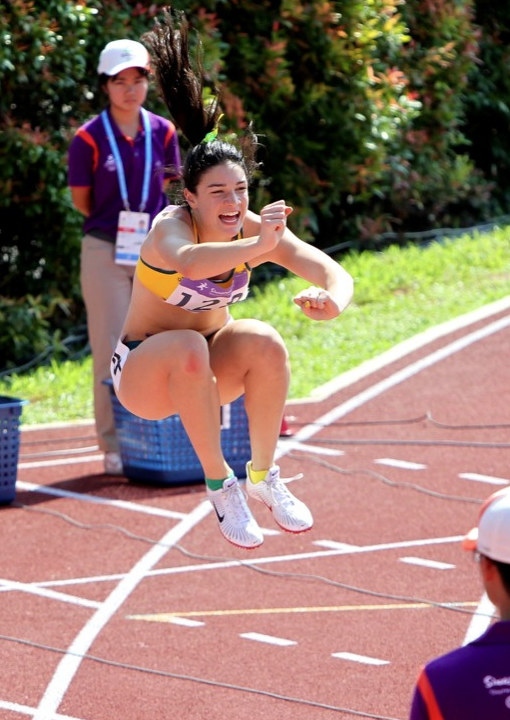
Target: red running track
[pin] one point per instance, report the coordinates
(121, 601)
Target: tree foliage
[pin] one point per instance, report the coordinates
(374, 116)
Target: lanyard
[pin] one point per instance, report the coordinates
(118, 160)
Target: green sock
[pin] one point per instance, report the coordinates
(217, 484)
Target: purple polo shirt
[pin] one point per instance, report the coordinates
(92, 164)
(469, 683)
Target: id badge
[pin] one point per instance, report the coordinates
(131, 232)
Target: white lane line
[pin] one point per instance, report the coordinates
(75, 424)
(484, 478)
(26, 710)
(318, 450)
(64, 461)
(480, 620)
(397, 352)
(69, 664)
(435, 564)
(56, 453)
(83, 497)
(269, 532)
(176, 620)
(333, 545)
(366, 368)
(359, 658)
(12, 585)
(404, 464)
(221, 565)
(258, 637)
(398, 377)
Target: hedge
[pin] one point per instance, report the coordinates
(374, 117)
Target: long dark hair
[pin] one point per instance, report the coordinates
(181, 86)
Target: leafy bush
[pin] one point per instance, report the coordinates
(370, 115)
(487, 104)
(315, 77)
(48, 54)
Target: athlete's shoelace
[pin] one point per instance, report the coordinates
(235, 499)
(279, 492)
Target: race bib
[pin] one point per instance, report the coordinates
(203, 295)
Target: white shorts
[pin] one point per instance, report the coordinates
(118, 359)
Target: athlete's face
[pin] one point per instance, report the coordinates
(221, 200)
(128, 89)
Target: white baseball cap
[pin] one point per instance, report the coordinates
(121, 54)
(492, 535)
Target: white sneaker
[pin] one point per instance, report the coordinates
(113, 464)
(290, 513)
(237, 524)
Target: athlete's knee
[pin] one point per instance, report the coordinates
(267, 347)
(194, 360)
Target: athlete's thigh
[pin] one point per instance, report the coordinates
(156, 368)
(237, 348)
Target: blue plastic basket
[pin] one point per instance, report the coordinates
(10, 413)
(159, 451)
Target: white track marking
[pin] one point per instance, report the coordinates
(269, 532)
(359, 658)
(26, 710)
(83, 497)
(423, 562)
(258, 637)
(318, 450)
(483, 478)
(333, 545)
(69, 664)
(223, 564)
(56, 453)
(32, 589)
(481, 620)
(64, 461)
(176, 620)
(76, 424)
(402, 349)
(398, 377)
(404, 464)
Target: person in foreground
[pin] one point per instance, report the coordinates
(180, 349)
(473, 682)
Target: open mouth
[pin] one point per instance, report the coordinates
(230, 218)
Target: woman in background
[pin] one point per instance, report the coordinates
(117, 176)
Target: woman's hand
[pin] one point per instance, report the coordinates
(317, 304)
(273, 221)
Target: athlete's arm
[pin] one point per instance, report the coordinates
(171, 239)
(332, 285)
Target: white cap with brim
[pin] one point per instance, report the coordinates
(119, 55)
(492, 535)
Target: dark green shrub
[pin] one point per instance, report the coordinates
(370, 116)
(440, 183)
(487, 101)
(40, 58)
(305, 73)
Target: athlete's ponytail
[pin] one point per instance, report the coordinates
(181, 86)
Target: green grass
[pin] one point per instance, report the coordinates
(398, 293)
